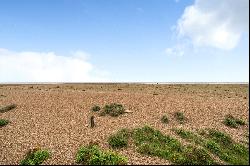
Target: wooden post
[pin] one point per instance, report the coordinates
(92, 122)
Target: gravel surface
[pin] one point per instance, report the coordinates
(56, 117)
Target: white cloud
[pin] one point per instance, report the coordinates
(47, 67)
(219, 24)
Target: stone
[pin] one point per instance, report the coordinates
(128, 111)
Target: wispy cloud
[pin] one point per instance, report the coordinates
(30, 66)
(215, 24)
(177, 50)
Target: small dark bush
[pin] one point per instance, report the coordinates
(113, 109)
(180, 117)
(233, 122)
(230, 122)
(240, 121)
(164, 119)
(35, 157)
(3, 122)
(96, 108)
(7, 108)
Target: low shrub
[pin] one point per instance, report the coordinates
(113, 110)
(152, 142)
(35, 157)
(180, 117)
(196, 156)
(219, 144)
(92, 155)
(220, 137)
(213, 146)
(120, 139)
(3, 122)
(230, 122)
(164, 119)
(233, 122)
(188, 135)
(96, 108)
(240, 121)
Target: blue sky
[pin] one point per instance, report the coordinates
(124, 41)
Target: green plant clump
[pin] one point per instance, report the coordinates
(220, 144)
(180, 117)
(120, 139)
(113, 109)
(35, 157)
(213, 146)
(233, 122)
(230, 122)
(190, 136)
(92, 155)
(164, 119)
(3, 122)
(220, 137)
(196, 156)
(96, 108)
(152, 142)
(229, 151)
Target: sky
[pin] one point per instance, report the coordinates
(124, 41)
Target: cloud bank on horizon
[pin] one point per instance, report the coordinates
(213, 24)
(47, 67)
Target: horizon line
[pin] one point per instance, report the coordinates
(148, 82)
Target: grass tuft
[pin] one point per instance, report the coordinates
(92, 155)
(113, 110)
(220, 137)
(96, 108)
(3, 122)
(180, 117)
(233, 122)
(196, 156)
(119, 140)
(164, 119)
(213, 146)
(152, 142)
(220, 144)
(35, 157)
(188, 135)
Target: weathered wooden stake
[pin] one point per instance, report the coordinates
(92, 122)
